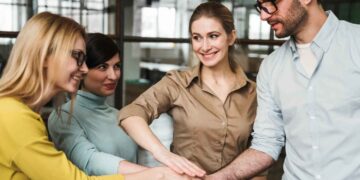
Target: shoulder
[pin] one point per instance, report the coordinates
(182, 77)
(348, 26)
(277, 57)
(13, 109)
(11, 104)
(348, 34)
(18, 123)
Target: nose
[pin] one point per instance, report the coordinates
(83, 68)
(205, 46)
(264, 15)
(111, 74)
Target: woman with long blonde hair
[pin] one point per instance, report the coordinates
(46, 60)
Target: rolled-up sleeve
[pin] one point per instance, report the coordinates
(268, 135)
(154, 101)
(70, 138)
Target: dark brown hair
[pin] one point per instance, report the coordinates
(100, 48)
(223, 15)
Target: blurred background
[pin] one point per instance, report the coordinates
(153, 35)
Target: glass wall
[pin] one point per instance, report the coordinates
(95, 15)
(155, 31)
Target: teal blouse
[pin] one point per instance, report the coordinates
(92, 139)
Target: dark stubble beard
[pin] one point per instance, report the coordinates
(297, 16)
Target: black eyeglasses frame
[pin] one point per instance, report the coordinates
(258, 6)
(79, 56)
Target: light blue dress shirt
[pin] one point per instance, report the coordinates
(316, 117)
(92, 139)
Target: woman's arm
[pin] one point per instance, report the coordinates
(135, 117)
(126, 167)
(70, 137)
(157, 173)
(146, 139)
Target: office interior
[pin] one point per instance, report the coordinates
(153, 36)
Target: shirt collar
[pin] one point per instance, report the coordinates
(324, 37)
(241, 77)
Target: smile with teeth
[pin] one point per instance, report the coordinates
(209, 55)
(77, 77)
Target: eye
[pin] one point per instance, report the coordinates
(102, 67)
(213, 36)
(117, 66)
(196, 38)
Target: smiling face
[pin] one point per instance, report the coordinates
(289, 18)
(102, 79)
(71, 73)
(210, 42)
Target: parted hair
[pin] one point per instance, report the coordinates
(44, 37)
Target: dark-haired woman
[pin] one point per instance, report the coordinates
(92, 140)
(213, 104)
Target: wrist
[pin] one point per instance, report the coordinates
(158, 151)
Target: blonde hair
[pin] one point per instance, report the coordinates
(44, 37)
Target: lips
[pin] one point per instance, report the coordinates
(110, 86)
(273, 24)
(77, 77)
(208, 55)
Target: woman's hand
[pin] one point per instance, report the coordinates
(157, 173)
(178, 163)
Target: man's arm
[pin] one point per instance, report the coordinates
(248, 164)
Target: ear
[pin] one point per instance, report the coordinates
(232, 37)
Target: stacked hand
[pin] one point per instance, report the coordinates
(178, 163)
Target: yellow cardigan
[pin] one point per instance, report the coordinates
(25, 150)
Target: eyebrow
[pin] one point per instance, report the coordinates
(217, 32)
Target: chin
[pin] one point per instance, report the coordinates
(108, 93)
(209, 64)
(72, 90)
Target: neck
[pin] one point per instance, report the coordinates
(218, 72)
(316, 19)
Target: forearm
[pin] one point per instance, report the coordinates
(157, 173)
(248, 164)
(139, 130)
(126, 167)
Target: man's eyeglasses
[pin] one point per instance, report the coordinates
(79, 56)
(268, 6)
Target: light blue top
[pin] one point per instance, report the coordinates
(318, 117)
(92, 139)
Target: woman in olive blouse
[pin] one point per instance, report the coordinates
(213, 104)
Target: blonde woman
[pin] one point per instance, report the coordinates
(46, 60)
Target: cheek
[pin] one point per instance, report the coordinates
(196, 46)
(69, 67)
(118, 74)
(94, 80)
